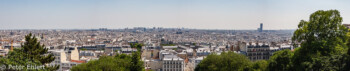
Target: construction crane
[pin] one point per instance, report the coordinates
(11, 45)
(10, 41)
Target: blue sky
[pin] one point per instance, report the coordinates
(198, 14)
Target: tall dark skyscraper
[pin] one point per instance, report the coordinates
(261, 28)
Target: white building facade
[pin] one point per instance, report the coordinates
(173, 63)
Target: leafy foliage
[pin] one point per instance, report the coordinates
(324, 46)
(230, 61)
(120, 62)
(346, 58)
(321, 37)
(137, 64)
(226, 61)
(138, 46)
(105, 63)
(281, 61)
(260, 65)
(30, 53)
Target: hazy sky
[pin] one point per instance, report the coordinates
(198, 14)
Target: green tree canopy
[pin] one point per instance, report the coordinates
(226, 61)
(321, 37)
(260, 65)
(30, 53)
(281, 61)
(120, 62)
(138, 46)
(106, 63)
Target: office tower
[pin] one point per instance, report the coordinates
(261, 28)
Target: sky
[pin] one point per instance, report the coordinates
(193, 14)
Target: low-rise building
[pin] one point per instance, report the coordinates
(128, 50)
(197, 61)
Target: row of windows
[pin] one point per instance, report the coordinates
(172, 62)
(57, 57)
(258, 54)
(57, 61)
(69, 65)
(258, 57)
(172, 69)
(128, 51)
(172, 66)
(254, 50)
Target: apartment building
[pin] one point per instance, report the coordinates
(173, 63)
(258, 51)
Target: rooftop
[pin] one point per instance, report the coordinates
(171, 57)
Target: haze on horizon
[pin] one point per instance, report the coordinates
(193, 14)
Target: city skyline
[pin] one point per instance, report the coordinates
(193, 14)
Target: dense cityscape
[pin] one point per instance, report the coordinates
(174, 35)
(161, 45)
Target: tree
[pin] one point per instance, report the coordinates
(137, 64)
(30, 53)
(321, 37)
(346, 61)
(281, 61)
(120, 62)
(260, 65)
(106, 63)
(138, 46)
(226, 61)
(346, 56)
